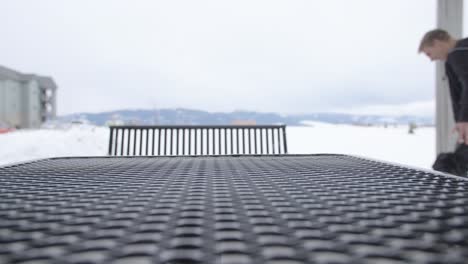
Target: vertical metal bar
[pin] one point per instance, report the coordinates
(207, 141)
(284, 141)
(250, 142)
(147, 141)
(134, 141)
(201, 142)
(208, 135)
(136, 138)
(268, 142)
(115, 138)
(122, 142)
(225, 141)
(159, 141)
(278, 136)
(238, 143)
(239, 136)
(171, 140)
(141, 141)
(202, 148)
(219, 141)
(154, 138)
(261, 141)
(128, 142)
(177, 141)
(279, 141)
(190, 141)
(183, 141)
(255, 140)
(110, 140)
(116, 143)
(232, 140)
(196, 140)
(214, 142)
(165, 142)
(243, 140)
(273, 140)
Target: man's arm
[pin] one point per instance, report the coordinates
(454, 86)
(458, 60)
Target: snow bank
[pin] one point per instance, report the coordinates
(74, 140)
(392, 144)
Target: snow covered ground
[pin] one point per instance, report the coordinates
(392, 144)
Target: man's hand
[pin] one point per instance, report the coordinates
(462, 130)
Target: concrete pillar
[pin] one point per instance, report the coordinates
(450, 18)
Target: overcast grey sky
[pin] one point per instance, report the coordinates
(287, 56)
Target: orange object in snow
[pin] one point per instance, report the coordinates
(5, 130)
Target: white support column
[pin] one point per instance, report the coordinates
(450, 18)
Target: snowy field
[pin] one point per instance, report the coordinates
(392, 144)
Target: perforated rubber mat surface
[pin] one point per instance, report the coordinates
(270, 209)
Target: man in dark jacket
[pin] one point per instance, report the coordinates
(439, 45)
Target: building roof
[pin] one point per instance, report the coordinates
(43, 81)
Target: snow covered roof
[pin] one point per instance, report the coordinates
(9, 74)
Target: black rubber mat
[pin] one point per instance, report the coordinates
(264, 209)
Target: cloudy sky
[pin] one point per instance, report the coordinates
(286, 56)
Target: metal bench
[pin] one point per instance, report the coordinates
(197, 140)
(295, 209)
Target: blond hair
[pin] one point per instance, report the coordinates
(431, 36)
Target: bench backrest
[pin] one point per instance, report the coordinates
(197, 140)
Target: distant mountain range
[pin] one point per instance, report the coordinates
(196, 117)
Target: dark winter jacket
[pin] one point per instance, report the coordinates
(456, 68)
